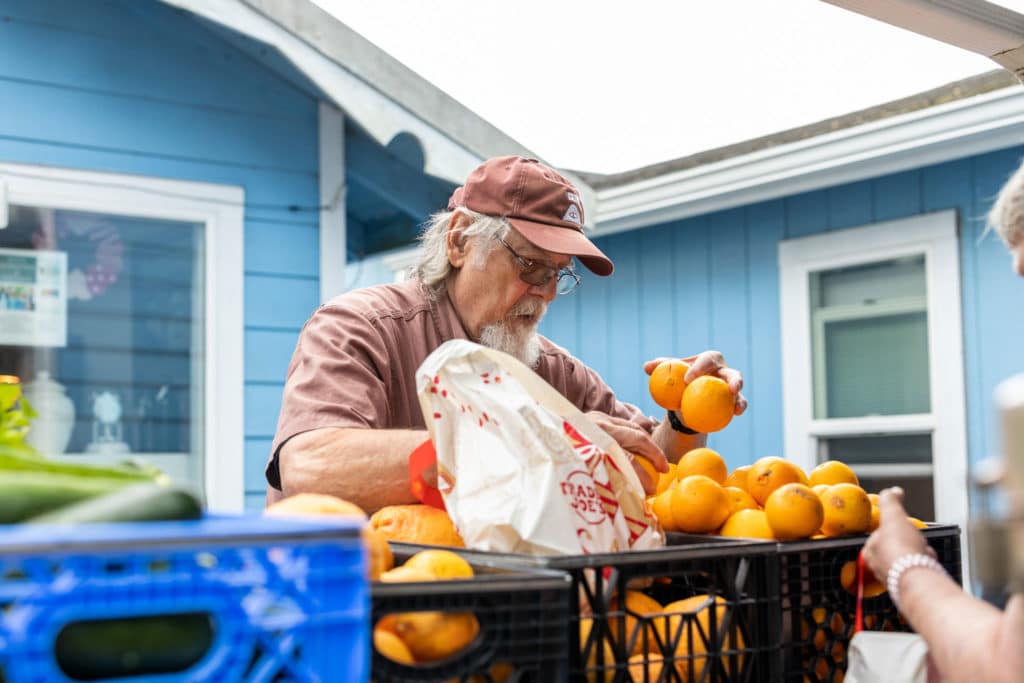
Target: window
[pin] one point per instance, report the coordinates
(114, 312)
(872, 358)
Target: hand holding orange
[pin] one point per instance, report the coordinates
(708, 402)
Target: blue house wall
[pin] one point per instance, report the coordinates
(140, 88)
(712, 281)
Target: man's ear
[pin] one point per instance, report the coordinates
(456, 242)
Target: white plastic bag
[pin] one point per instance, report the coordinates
(520, 468)
(885, 657)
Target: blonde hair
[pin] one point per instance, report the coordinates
(432, 265)
(1007, 214)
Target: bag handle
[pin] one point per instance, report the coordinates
(858, 624)
(420, 459)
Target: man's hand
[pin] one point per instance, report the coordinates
(895, 535)
(636, 442)
(709, 363)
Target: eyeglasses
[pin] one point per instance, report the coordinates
(539, 274)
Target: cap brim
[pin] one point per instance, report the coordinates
(565, 241)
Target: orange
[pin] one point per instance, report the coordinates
(665, 479)
(666, 383)
(876, 517)
(391, 646)
(847, 510)
(848, 579)
(379, 556)
(833, 472)
(793, 511)
(702, 461)
(662, 507)
(640, 604)
(748, 524)
(699, 504)
(646, 465)
(739, 500)
(697, 628)
(708, 405)
(873, 497)
(768, 474)
(605, 660)
(738, 477)
(443, 564)
(803, 477)
(416, 524)
(648, 668)
(306, 504)
(820, 489)
(918, 523)
(407, 575)
(436, 635)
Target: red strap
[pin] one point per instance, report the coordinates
(858, 624)
(419, 460)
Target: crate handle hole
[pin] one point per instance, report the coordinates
(102, 649)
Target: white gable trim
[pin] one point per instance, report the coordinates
(382, 117)
(957, 129)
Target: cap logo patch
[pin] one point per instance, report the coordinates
(572, 215)
(573, 198)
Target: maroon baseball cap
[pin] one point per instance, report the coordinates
(541, 204)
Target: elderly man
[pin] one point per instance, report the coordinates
(488, 268)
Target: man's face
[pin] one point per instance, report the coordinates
(496, 306)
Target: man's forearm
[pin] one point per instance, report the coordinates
(674, 444)
(369, 467)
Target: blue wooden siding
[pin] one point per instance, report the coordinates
(140, 88)
(713, 282)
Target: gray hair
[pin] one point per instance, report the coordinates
(432, 266)
(1007, 214)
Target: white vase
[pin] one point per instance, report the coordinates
(50, 432)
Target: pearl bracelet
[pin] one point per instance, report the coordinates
(902, 564)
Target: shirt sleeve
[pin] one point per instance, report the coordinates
(587, 391)
(335, 379)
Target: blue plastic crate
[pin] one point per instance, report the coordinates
(280, 599)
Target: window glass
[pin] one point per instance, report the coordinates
(129, 359)
(870, 340)
(878, 450)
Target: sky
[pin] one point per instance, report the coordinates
(595, 87)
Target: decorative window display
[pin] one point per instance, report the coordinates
(111, 334)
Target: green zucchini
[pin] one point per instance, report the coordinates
(12, 460)
(133, 646)
(25, 494)
(132, 503)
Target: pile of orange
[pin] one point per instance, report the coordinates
(418, 637)
(772, 499)
(656, 636)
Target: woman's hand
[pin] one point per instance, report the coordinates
(636, 442)
(895, 536)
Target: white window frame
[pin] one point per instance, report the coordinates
(935, 236)
(220, 209)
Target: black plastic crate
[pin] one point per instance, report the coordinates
(736, 641)
(522, 616)
(818, 610)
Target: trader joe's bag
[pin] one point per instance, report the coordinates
(520, 468)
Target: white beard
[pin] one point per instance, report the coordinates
(518, 340)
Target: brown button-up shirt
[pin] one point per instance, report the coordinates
(356, 359)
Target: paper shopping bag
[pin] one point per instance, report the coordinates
(520, 468)
(886, 657)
